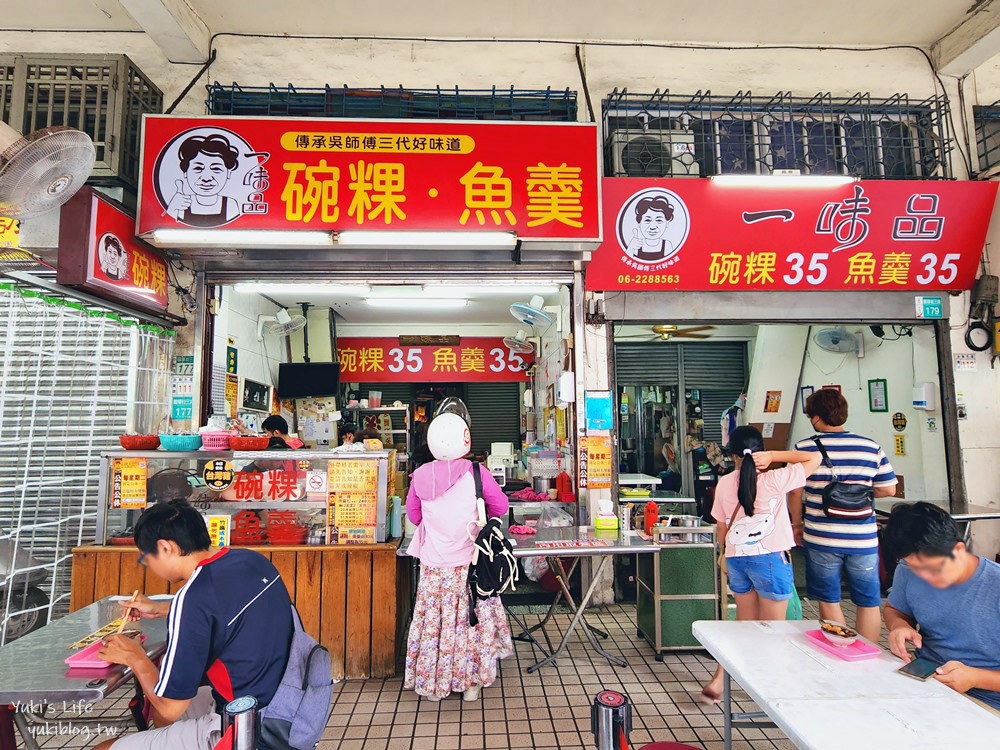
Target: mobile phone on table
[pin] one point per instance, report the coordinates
(919, 669)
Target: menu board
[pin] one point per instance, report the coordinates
(353, 503)
(128, 483)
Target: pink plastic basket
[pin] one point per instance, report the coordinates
(216, 441)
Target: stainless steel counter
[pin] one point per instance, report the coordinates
(32, 669)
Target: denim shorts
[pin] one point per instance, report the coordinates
(824, 571)
(769, 575)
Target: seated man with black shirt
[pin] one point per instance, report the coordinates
(229, 626)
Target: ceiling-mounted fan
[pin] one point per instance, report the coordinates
(667, 332)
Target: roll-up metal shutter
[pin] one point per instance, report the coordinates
(495, 409)
(64, 396)
(721, 364)
(719, 371)
(646, 364)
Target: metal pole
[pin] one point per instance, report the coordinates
(727, 712)
(241, 714)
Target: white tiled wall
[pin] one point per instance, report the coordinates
(237, 320)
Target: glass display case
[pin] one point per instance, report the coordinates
(254, 498)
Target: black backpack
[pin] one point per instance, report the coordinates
(493, 569)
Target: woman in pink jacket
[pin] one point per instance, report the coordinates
(444, 654)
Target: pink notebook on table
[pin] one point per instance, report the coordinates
(857, 651)
(87, 658)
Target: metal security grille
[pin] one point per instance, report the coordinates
(436, 104)
(495, 409)
(987, 120)
(105, 96)
(67, 376)
(677, 135)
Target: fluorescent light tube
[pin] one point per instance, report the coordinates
(444, 290)
(242, 238)
(267, 287)
(403, 238)
(415, 303)
(781, 180)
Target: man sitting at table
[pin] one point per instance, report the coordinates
(945, 601)
(229, 626)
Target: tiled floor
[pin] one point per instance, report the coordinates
(550, 709)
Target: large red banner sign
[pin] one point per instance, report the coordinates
(701, 235)
(540, 181)
(383, 360)
(98, 252)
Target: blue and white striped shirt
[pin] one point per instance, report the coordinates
(858, 460)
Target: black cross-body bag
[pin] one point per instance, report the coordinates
(842, 499)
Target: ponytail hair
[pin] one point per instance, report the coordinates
(743, 442)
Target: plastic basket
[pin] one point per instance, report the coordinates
(216, 441)
(180, 442)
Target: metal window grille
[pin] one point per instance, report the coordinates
(673, 135)
(67, 378)
(987, 122)
(438, 103)
(105, 96)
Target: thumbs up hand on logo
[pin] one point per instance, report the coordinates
(635, 243)
(180, 203)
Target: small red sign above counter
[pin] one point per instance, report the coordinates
(99, 252)
(705, 235)
(383, 360)
(538, 180)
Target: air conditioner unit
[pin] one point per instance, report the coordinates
(660, 153)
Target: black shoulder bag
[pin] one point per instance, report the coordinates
(843, 499)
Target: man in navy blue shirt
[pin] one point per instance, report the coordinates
(229, 627)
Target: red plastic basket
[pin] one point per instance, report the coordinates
(246, 443)
(139, 442)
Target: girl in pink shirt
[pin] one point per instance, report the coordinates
(751, 514)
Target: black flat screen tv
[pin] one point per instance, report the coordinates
(307, 379)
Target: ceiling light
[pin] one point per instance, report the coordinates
(241, 238)
(387, 238)
(781, 180)
(445, 290)
(267, 287)
(412, 303)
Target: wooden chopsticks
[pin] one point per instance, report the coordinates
(135, 595)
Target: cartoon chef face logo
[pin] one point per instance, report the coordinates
(112, 257)
(652, 226)
(208, 177)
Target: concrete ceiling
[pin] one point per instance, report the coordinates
(849, 22)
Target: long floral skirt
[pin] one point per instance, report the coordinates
(444, 654)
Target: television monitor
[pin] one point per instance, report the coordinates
(307, 379)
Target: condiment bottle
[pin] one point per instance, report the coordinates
(652, 515)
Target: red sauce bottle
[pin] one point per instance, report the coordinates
(652, 515)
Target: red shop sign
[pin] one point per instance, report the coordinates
(538, 180)
(383, 360)
(701, 235)
(98, 252)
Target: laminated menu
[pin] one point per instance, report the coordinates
(353, 500)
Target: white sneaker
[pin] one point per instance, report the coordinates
(472, 694)
(432, 698)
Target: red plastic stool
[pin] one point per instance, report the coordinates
(667, 746)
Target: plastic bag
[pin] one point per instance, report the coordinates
(535, 568)
(553, 516)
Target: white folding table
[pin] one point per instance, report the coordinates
(822, 702)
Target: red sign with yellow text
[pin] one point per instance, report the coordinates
(382, 360)
(99, 252)
(701, 235)
(537, 180)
